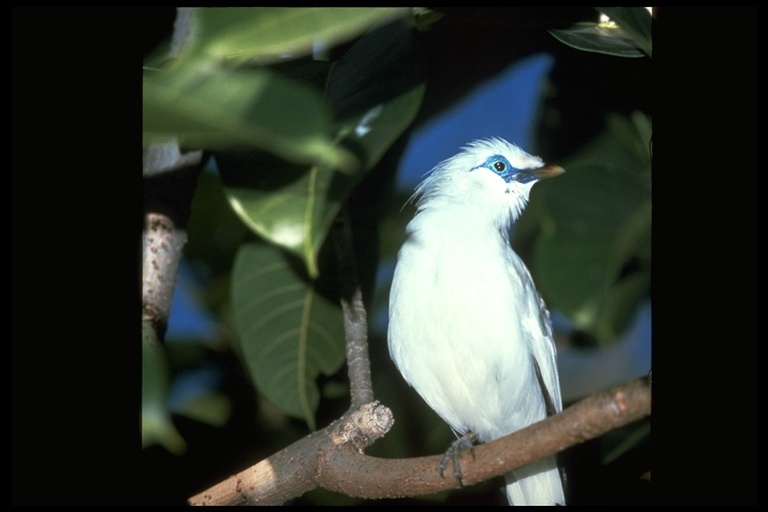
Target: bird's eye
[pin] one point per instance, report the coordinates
(499, 166)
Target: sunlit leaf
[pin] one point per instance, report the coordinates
(291, 206)
(294, 207)
(591, 37)
(265, 34)
(156, 424)
(635, 22)
(289, 329)
(627, 35)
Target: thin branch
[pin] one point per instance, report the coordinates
(161, 254)
(167, 207)
(355, 316)
(338, 464)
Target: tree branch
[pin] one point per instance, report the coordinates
(161, 254)
(167, 207)
(353, 309)
(167, 202)
(332, 458)
(294, 470)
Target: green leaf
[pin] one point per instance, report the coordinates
(156, 424)
(294, 207)
(578, 260)
(636, 22)
(265, 34)
(221, 109)
(290, 206)
(628, 34)
(289, 329)
(212, 408)
(591, 256)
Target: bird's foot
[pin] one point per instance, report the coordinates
(452, 454)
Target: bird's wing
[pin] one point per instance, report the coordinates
(545, 361)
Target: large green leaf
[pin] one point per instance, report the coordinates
(266, 34)
(591, 257)
(580, 260)
(289, 328)
(222, 109)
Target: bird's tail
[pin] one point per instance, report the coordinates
(538, 483)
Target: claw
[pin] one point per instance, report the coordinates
(464, 443)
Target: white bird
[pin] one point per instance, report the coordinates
(467, 328)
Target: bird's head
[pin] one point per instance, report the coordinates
(491, 174)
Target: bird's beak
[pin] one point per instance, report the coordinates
(534, 175)
(548, 171)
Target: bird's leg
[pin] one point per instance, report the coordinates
(452, 454)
